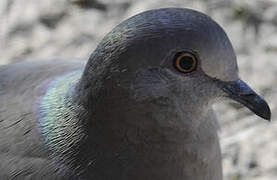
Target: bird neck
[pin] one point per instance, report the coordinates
(62, 117)
(116, 132)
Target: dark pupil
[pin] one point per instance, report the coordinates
(186, 62)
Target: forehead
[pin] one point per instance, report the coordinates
(215, 52)
(152, 35)
(220, 62)
(191, 30)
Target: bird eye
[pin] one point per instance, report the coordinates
(185, 62)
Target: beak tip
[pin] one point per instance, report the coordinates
(263, 111)
(266, 117)
(267, 114)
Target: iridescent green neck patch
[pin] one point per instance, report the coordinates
(59, 114)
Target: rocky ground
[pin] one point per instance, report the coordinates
(35, 30)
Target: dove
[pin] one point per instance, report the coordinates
(139, 108)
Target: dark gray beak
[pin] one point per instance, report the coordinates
(242, 93)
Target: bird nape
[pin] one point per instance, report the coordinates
(138, 108)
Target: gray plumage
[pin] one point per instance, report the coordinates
(128, 113)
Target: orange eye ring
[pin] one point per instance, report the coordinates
(185, 62)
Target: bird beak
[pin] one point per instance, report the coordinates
(242, 93)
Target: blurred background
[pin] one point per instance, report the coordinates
(33, 30)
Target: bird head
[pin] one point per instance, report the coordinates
(173, 54)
